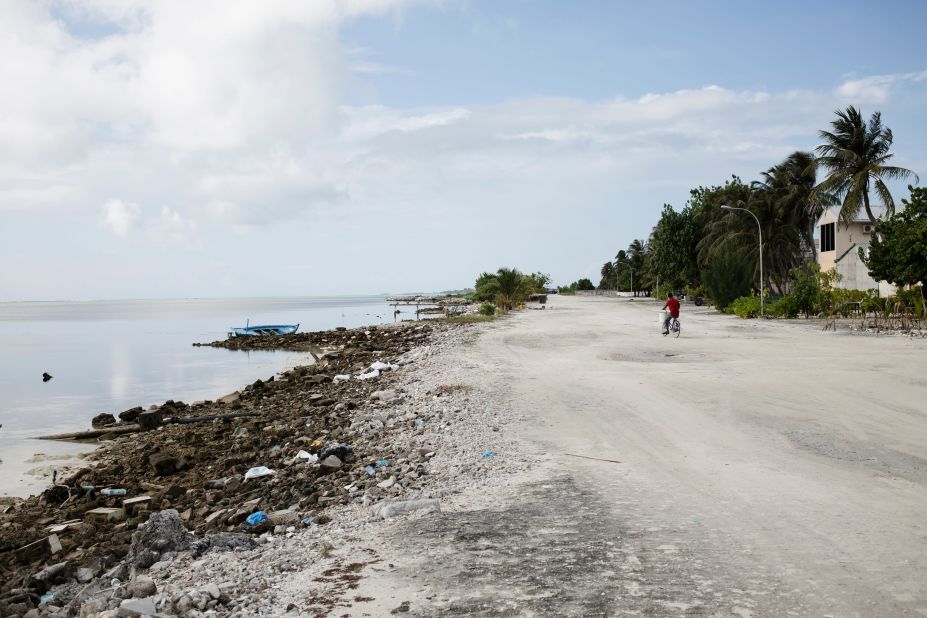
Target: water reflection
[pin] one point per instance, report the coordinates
(112, 356)
(120, 372)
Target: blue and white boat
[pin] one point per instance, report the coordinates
(264, 330)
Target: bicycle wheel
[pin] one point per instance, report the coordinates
(677, 327)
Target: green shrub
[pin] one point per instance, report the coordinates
(785, 307)
(488, 309)
(745, 307)
(908, 300)
(874, 302)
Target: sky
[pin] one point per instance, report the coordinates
(230, 148)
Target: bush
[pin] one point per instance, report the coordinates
(785, 307)
(488, 309)
(873, 302)
(745, 307)
(806, 292)
(909, 300)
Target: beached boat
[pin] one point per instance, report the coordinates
(265, 330)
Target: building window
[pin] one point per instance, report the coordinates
(828, 241)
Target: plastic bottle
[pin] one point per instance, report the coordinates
(113, 491)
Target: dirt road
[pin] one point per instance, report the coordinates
(766, 469)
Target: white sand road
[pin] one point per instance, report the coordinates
(767, 468)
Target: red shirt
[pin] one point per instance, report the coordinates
(673, 305)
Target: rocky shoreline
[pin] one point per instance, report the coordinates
(272, 461)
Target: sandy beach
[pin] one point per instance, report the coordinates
(583, 464)
(766, 469)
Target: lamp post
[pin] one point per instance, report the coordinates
(760, 230)
(630, 269)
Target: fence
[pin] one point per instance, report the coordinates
(612, 293)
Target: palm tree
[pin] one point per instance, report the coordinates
(511, 287)
(793, 184)
(636, 251)
(608, 276)
(855, 155)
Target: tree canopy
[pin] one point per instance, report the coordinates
(856, 154)
(898, 250)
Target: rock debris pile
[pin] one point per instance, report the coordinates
(227, 475)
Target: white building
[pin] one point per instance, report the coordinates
(839, 245)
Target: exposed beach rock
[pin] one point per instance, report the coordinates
(103, 420)
(189, 477)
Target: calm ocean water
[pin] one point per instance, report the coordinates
(108, 356)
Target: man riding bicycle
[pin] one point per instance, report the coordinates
(673, 305)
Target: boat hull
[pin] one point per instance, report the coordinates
(266, 330)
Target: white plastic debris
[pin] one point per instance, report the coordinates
(380, 366)
(307, 457)
(370, 374)
(259, 471)
(341, 377)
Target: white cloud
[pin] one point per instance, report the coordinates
(120, 217)
(174, 229)
(876, 88)
(241, 124)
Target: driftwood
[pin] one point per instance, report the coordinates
(93, 434)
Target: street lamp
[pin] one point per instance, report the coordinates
(760, 230)
(630, 269)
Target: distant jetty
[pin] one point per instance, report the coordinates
(431, 304)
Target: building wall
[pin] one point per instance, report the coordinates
(845, 237)
(855, 276)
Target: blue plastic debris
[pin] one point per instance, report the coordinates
(419, 422)
(307, 521)
(370, 470)
(382, 463)
(256, 518)
(488, 454)
(45, 598)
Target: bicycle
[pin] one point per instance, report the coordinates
(674, 327)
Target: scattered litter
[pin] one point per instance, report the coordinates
(419, 422)
(240, 432)
(113, 491)
(307, 521)
(488, 454)
(256, 518)
(371, 374)
(342, 377)
(45, 598)
(275, 449)
(309, 458)
(341, 451)
(370, 470)
(382, 463)
(380, 366)
(257, 472)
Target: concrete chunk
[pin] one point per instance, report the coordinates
(104, 515)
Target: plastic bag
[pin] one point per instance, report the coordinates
(309, 458)
(259, 471)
